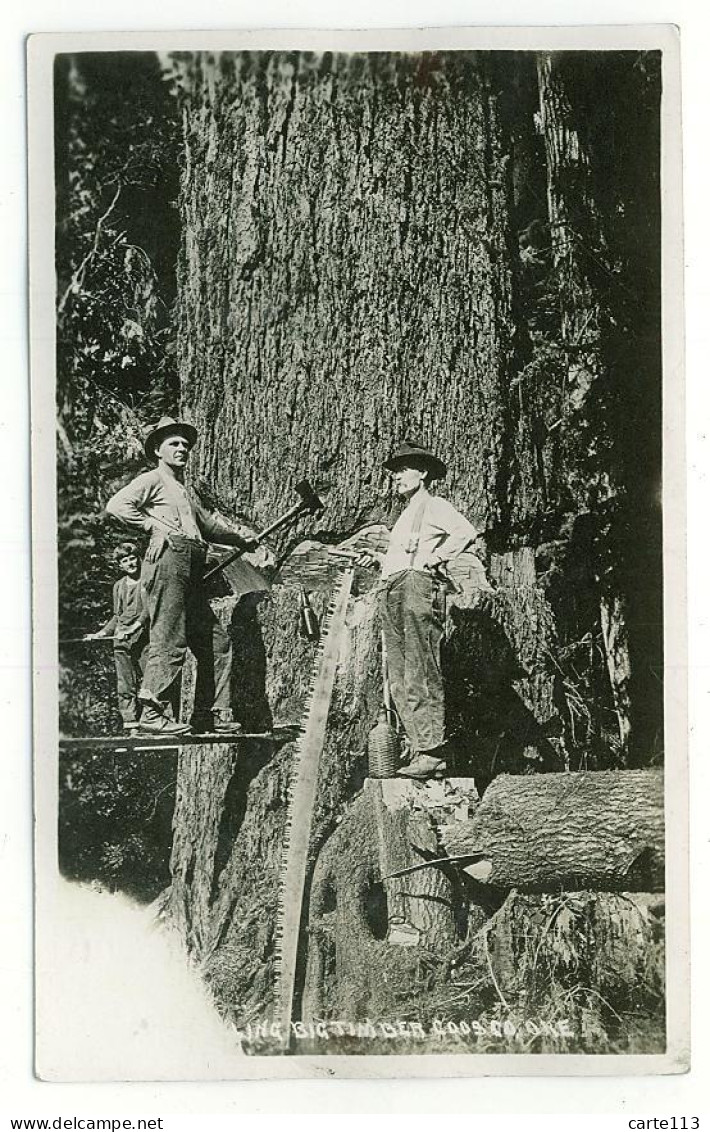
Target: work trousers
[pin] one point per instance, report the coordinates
(180, 616)
(129, 657)
(413, 629)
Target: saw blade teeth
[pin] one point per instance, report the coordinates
(300, 791)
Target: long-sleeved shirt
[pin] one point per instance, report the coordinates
(154, 498)
(129, 606)
(443, 534)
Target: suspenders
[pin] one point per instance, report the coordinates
(415, 534)
(439, 584)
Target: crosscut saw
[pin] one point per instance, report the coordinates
(301, 802)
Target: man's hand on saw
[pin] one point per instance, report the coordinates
(368, 558)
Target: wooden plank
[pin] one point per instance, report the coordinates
(128, 743)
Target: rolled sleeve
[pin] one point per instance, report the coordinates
(129, 502)
(459, 532)
(214, 531)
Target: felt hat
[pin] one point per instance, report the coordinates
(411, 452)
(167, 426)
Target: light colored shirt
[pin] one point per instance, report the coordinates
(154, 498)
(444, 533)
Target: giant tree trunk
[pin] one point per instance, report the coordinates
(346, 280)
(418, 879)
(367, 930)
(345, 277)
(578, 249)
(231, 803)
(600, 464)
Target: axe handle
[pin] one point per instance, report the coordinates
(214, 570)
(295, 511)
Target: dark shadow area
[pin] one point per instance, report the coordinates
(115, 820)
(328, 900)
(87, 690)
(490, 728)
(251, 759)
(374, 901)
(249, 700)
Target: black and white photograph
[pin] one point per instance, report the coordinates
(358, 729)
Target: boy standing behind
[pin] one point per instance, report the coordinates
(129, 628)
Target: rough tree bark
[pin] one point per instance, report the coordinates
(346, 279)
(577, 244)
(346, 229)
(371, 935)
(230, 810)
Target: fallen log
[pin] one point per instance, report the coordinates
(565, 903)
(601, 830)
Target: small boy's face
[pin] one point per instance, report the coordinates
(129, 565)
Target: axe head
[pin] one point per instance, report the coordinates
(310, 501)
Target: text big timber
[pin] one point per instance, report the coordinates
(367, 1030)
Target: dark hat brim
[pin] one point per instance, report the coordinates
(179, 428)
(435, 466)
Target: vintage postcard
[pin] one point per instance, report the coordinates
(359, 543)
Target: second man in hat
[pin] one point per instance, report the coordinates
(429, 533)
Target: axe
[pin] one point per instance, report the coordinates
(308, 504)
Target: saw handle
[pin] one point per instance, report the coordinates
(392, 716)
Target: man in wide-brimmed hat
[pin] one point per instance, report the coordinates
(158, 502)
(429, 533)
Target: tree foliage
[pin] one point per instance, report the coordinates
(116, 245)
(114, 820)
(116, 141)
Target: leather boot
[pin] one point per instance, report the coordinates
(424, 766)
(153, 721)
(225, 725)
